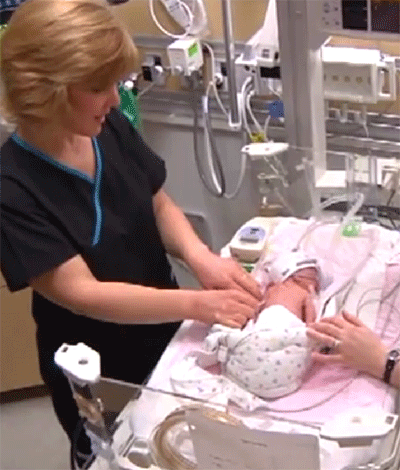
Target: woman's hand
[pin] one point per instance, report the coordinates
(214, 272)
(295, 297)
(351, 343)
(229, 307)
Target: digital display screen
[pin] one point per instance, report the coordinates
(193, 49)
(355, 14)
(270, 72)
(385, 16)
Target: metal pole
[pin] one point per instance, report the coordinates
(230, 62)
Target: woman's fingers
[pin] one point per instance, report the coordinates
(337, 321)
(246, 299)
(352, 319)
(326, 358)
(321, 338)
(246, 283)
(328, 329)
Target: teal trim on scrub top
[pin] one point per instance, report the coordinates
(72, 171)
(96, 193)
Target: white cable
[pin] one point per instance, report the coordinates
(274, 91)
(245, 122)
(146, 90)
(243, 93)
(163, 30)
(244, 155)
(241, 177)
(266, 124)
(212, 56)
(207, 148)
(209, 159)
(207, 144)
(284, 202)
(212, 81)
(250, 111)
(218, 100)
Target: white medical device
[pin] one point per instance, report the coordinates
(79, 363)
(185, 56)
(191, 15)
(178, 12)
(359, 427)
(248, 243)
(258, 150)
(358, 75)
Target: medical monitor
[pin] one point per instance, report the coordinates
(378, 19)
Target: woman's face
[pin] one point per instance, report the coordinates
(89, 108)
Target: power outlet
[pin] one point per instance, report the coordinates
(153, 70)
(221, 74)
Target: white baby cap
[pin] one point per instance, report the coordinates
(271, 359)
(288, 263)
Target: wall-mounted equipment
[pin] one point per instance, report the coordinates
(185, 56)
(358, 75)
(364, 18)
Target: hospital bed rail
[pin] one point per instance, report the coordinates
(128, 425)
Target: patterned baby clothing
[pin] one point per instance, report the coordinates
(268, 357)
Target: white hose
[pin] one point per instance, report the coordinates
(250, 111)
(207, 144)
(242, 104)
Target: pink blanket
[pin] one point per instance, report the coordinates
(327, 390)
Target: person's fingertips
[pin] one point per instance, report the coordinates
(318, 357)
(246, 298)
(312, 334)
(251, 286)
(324, 358)
(352, 319)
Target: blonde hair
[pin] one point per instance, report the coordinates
(51, 44)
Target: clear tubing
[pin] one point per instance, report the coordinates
(309, 176)
(353, 211)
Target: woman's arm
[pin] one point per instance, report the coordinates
(181, 241)
(73, 286)
(357, 346)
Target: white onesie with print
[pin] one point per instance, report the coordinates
(268, 357)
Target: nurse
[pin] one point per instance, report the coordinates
(85, 220)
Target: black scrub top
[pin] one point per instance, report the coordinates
(51, 212)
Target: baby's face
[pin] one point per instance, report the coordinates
(307, 278)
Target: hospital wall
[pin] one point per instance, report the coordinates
(174, 141)
(247, 18)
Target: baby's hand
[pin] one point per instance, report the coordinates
(294, 297)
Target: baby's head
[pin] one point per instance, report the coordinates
(303, 269)
(307, 278)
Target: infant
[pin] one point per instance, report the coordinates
(270, 356)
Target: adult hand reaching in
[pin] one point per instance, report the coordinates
(352, 343)
(228, 307)
(215, 272)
